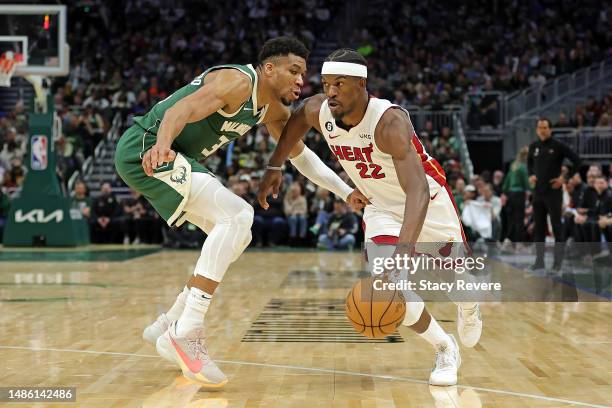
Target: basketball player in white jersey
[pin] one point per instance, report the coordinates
(411, 203)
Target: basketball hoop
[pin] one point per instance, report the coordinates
(8, 63)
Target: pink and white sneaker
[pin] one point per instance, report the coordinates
(190, 353)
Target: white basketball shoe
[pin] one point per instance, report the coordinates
(190, 353)
(469, 325)
(448, 361)
(156, 329)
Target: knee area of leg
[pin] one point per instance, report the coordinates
(413, 313)
(244, 218)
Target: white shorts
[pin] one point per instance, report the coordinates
(441, 226)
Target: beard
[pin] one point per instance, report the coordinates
(285, 101)
(338, 115)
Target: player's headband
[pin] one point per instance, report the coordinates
(344, 68)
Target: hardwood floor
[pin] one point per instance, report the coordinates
(276, 328)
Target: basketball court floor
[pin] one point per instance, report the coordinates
(277, 328)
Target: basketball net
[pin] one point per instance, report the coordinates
(8, 63)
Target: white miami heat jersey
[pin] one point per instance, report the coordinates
(373, 171)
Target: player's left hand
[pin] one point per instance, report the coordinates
(156, 156)
(270, 182)
(356, 200)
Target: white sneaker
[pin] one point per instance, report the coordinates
(156, 329)
(448, 361)
(469, 325)
(190, 353)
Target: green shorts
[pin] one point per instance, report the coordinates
(168, 189)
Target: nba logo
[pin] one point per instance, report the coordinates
(38, 159)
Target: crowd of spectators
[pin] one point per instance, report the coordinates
(432, 53)
(496, 208)
(129, 221)
(124, 61)
(593, 113)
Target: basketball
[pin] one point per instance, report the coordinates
(374, 313)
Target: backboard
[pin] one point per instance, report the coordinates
(38, 32)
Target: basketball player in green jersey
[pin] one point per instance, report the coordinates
(158, 156)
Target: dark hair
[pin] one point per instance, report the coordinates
(281, 46)
(544, 119)
(347, 55)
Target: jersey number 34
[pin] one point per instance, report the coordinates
(371, 171)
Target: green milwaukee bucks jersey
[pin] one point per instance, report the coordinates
(201, 139)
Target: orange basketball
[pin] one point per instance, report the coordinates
(374, 313)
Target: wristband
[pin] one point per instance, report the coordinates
(268, 167)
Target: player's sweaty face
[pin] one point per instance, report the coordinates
(342, 92)
(289, 73)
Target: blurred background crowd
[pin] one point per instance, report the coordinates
(429, 55)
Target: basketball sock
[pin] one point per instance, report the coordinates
(179, 304)
(435, 334)
(192, 317)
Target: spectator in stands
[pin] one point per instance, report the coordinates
(596, 203)
(497, 182)
(574, 189)
(475, 217)
(5, 206)
(13, 178)
(135, 221)
(429, 132)
(563, 121)
(269, 225)
(537, 80)
(105, 216)
(321, 207)
(81, 200)
(93, 123)
(458, 191)
(604, 121)
(604, 220)
(11, 148)
(515, 188)
(341, 228)
(96, 101)
(296, 210)
(493, 204)
(241, 189)
(66, 158)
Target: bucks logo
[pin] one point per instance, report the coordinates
(181, 175)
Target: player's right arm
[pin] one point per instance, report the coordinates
(227, 87)
(305, 117)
